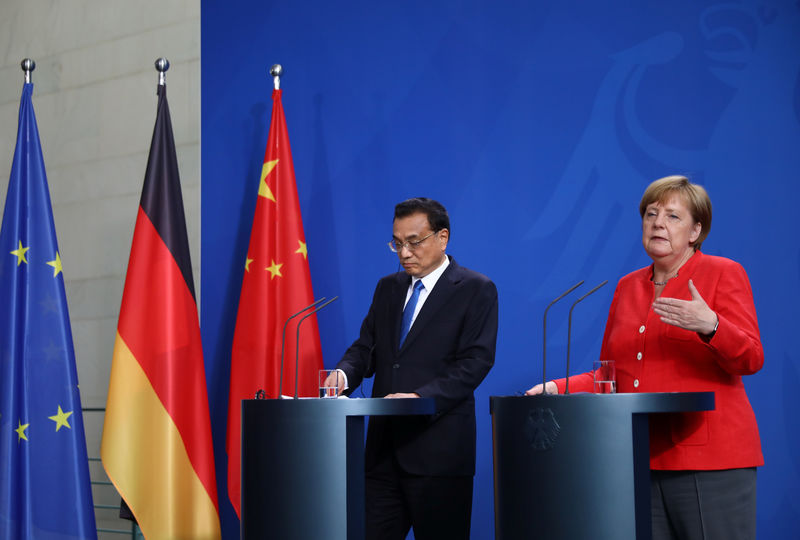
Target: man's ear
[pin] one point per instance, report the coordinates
(444, 237)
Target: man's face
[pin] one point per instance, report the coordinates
(422, 258)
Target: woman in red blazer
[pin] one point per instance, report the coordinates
(687, 323)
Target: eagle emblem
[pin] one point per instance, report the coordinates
(542, 429)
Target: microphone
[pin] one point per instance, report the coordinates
(297, 342)
(283, 341)
(544, 335)
(569, 328)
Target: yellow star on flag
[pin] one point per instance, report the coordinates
(21, 431)
(61, 418)
(56, 264)
(274, 269)
(20, 254)
(247, 262)
(302, 249)
(263, 188)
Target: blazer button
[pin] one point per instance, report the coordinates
(396, 366)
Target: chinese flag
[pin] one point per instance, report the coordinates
(157, 447)
(276, 284)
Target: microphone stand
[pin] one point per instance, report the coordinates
(569, 329)
(283, 341)
(297, 343)
(544, 335)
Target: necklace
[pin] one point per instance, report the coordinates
(662, 283)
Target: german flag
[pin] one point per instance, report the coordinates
(157, 447)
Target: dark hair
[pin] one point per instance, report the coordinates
(437, 215)
(694, 197)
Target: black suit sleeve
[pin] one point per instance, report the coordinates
(358, 361)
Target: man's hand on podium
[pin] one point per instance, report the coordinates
(337, 378)
(402, 395)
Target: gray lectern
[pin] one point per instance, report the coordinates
(303, 465)
(577, 466)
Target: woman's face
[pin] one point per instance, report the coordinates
(668, 230)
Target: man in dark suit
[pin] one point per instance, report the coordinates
(430, 332)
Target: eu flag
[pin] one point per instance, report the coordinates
(44, 475)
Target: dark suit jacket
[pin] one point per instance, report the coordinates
(447, 353)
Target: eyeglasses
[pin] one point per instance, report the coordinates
(396, 246)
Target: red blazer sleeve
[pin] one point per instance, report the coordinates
(737, 342)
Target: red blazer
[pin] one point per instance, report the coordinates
(652, 356)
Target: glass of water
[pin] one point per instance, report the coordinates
(328, 383)
(605, 377)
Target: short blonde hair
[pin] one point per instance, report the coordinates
(694, 197)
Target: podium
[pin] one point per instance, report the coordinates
(577, 466)
(303, 465)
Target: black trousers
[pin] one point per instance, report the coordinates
(704, 505)
(437, 507)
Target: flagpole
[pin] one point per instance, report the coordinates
(45, 486)
(27, 66)
(271, 294)
(276, 71)
(162, 65)
(158, 383)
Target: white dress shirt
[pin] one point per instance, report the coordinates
(428, 283)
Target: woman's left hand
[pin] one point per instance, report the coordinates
(693, 315)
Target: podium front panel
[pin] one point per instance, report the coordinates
(303, 465)
(576, 466)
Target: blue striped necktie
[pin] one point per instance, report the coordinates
(408, 312)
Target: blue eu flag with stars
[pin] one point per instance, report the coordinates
(45, 491)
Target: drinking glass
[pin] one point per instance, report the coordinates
(328, 383)
(605, 377)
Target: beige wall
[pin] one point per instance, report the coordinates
(95, 102)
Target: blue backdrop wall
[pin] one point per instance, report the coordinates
(538, 125)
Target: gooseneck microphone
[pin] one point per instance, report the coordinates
(297, 342)
(283, 340)
(544, 335)
(569, 329)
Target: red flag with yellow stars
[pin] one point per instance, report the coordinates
(276, 284)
